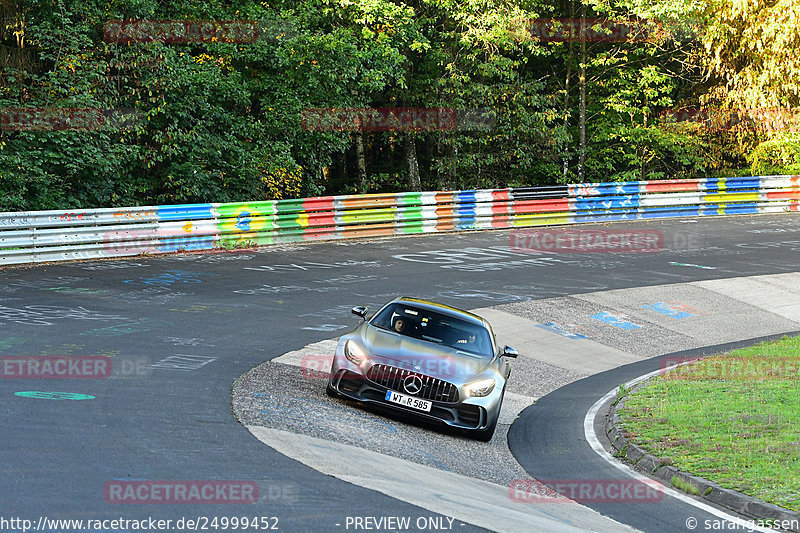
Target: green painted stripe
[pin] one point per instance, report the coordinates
(288, 221)
(290, 206)
(414, 227)
(409, 213)
(254, 208)
(406, 199)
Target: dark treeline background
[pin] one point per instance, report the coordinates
(221, 121)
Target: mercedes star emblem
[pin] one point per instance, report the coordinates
(412, 384)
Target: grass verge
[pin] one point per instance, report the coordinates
(685, 486)
(732, 418)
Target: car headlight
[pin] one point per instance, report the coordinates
(354, 354)
(480, 388)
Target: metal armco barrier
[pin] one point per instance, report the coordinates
(37, 236)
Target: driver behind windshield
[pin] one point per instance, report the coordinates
(400, 325)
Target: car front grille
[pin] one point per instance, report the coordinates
(392, 377)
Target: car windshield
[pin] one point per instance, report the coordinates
(434, 327)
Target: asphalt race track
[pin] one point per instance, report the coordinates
(180, 331)
(549, 443)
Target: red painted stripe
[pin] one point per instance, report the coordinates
(320, 203)
(500, 202)
(501, 194)
(321, 219)
(784, 195)
(319, 234)
(501, 206)
(554, 205)
(672, 186)
(502, 221)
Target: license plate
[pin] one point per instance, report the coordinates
(408, 401)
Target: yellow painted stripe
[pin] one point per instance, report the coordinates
(539, 219)
(731, 197)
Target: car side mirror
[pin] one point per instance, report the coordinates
(508, 351)
(360, 310)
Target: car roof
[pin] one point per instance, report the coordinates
(452, 311)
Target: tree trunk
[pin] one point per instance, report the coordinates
(640, 148)
(414, 183)
(582, 111)
(343, 175)
(567, 80)
(361, 164)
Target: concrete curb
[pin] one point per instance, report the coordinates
(656, 467)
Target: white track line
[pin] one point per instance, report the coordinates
(591, 438)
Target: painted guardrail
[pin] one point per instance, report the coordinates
(38, 236)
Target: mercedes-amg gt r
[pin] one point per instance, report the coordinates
(425, 360)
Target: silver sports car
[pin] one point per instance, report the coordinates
(426, 360)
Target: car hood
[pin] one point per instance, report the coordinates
(421, 356)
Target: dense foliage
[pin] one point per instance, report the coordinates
(213, 120)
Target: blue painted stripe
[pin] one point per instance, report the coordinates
(714, 185)
(710, 184)
(465, 210)
(729, 209)
(741, 209)
(615, 319)
(607, 202)
(465, 223)
(669, 310)
(185, 212)
(598, 216)
(744, 183)
(465, 197)
(622, 188)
